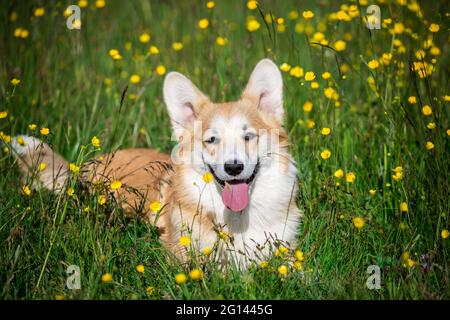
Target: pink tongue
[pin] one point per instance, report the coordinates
(235, 196)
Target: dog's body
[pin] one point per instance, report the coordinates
(251, 199)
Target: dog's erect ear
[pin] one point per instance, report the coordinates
(183, 100)
(265, 88)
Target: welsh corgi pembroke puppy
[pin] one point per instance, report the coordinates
(229, 184)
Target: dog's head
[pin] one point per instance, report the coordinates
(230, 140)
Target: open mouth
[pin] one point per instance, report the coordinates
(235, 192)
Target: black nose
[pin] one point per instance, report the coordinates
(234, 167)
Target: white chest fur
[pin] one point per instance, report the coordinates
(271, 215)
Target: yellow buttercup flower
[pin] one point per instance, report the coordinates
(339, 173)
(343, 16)
(373, 64)
(203, 23)
(358, 222)
(325, 154)
(397, 176)
(429, 145)
(445, 233)
(15, 81)
(99, 4)
(325, 131)
(307, 106)
(42, 166)
(17, 32)
(3, 114)
(434, 27)
(283, 270)
(115, 184)
(399, 28)
(160, 70)
(74, 168)
(435, 51)
(386, 57)
(153, 50)
(285, 67)
(292, 15)
(107, 277)
(299, 255)
(32, 126)
(67, 13)
(308, 15)
(263, 264)
(318, 37)
(26, 191)
(310, 123)
(144, 38)
(410, 263)
(207, 251)
(431, 125)
(296, 72)
(208, 177)
(252, 5)
(196, 274)
(184, 241)
(426, 110)
(95, 142)
(39, 12)
(210, 4)
(114, 53)
(180, 278)
(135, 79)
(281, 250)
(405, 256)
(398, 169)
(70, 191)
(24, 34)
(4, 137)
(314, 85)
(253, 25)
(326, 75)
(177, 46)
(45, 131)
(372, 192)
(83, 3)
(101, 200)
(350, 177)
(412, 100)
(155, 206)
(140, 268)
(298, 265)
(340, 45)
(403, 207)
(310, 76)
(21, 141)
(331, 93)
(221, 41)
(223, 235)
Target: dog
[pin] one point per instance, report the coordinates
(230, 183)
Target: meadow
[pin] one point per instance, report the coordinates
(367, 112)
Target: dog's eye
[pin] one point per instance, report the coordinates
(249, 136)
(212, 140)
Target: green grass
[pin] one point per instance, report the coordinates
(63, 74)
